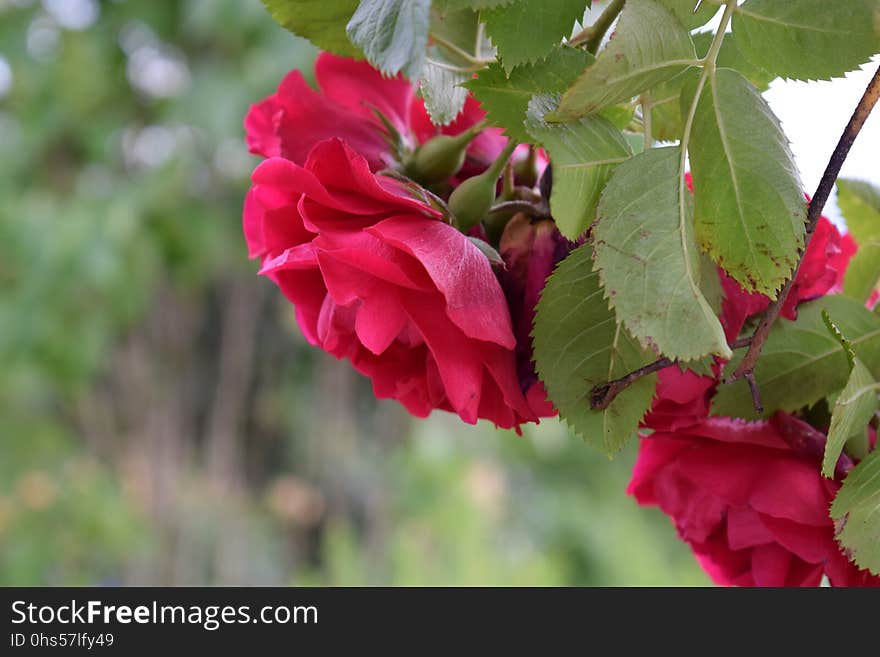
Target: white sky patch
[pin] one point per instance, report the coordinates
(5, 77)
(814, 114)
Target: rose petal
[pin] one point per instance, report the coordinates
(458, 359)
(357, 86)
(309, 117)
(474, 300)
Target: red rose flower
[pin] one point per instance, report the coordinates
(749, 499)
(295, 118)
(530, 249)
(377, 278)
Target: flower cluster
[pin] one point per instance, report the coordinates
(374, 272)
(351, 223)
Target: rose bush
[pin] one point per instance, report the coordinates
(378, 276)
(748, 497)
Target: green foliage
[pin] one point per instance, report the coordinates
(808, 39)
(857, 512)
(649, 261)
(444, 96)
(852, 411)
(485, 508)
(393, 34)
(506, 99)
(320, 21)
(749, 208)
(584, 153)
(447, 69)
(731, 56)
(853, 408)
(667, 123)
(860, 204)
(578, 345)
(684, 12)
(668, 116)
(527, 30)
(650, 45)
(801, 363)
(454, 5)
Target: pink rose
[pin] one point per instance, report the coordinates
(749, 499)
(377, 278)
(295, 118)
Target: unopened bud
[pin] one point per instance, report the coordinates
(471, 200)
(441, 157)
(526, 169)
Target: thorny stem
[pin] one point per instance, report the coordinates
(592, 36)
(746, 368)
(603, 394)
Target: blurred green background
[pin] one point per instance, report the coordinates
(162, 421)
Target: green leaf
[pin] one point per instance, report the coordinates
(748, 205)
(667, 119)
(860, 204)
(527, 30)
(667, 123)
(808, 39)
(801, 363)
(684, 12)
(443, 95)
(621, 116)
(649, 261)
(455, 5)
(506, 99)
(731, 56)
(649, 46)
(854, 407)
(857, 512)
(461, 29)
(393, 34)
(456, 42)
(583, 153)
(320, 21)
(852, 411)
(579, 345)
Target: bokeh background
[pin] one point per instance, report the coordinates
(162, 422)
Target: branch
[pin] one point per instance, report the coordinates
(602, 395)
(746, 368)
(538, 210)
(592, 36)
